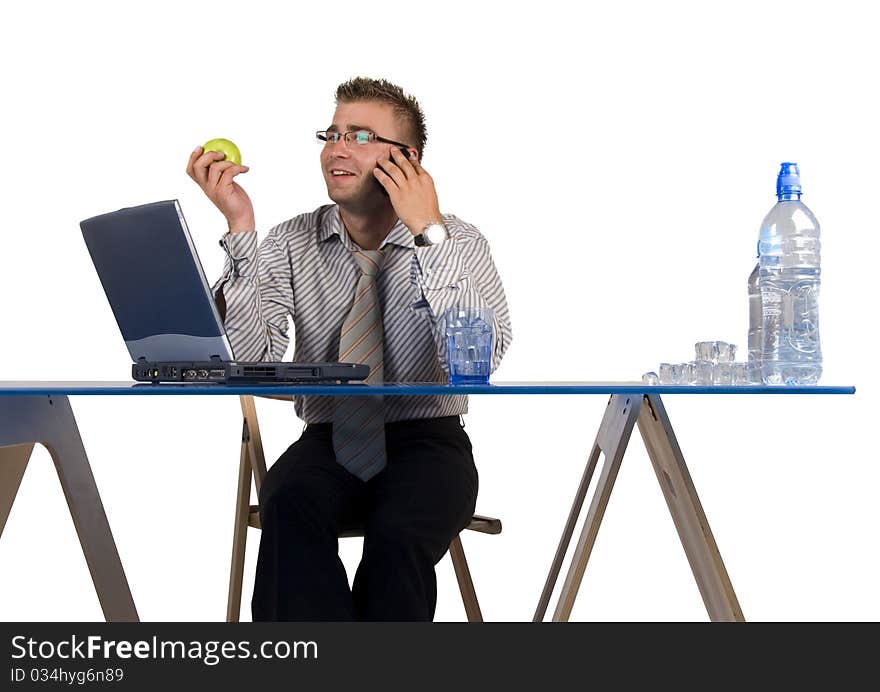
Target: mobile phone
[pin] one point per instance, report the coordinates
(405, 152)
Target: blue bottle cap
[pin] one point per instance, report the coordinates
(788, 182)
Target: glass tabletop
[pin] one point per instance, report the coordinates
(77, 388)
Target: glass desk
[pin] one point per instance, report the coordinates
(40, 412)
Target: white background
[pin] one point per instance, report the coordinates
(619, 158)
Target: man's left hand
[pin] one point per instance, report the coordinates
(411, 190)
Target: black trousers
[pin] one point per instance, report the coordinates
(409, 513)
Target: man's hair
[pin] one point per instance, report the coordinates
(406, 108)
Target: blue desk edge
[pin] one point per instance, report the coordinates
(72, 388)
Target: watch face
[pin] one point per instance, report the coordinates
(436, 233)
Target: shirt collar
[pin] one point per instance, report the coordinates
(332, 225)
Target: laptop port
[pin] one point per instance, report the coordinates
(218, 373)
(203, 374)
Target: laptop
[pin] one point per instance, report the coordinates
(160, 297)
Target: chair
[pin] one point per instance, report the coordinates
(253, 464)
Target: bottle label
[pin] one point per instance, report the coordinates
(801, 316)
(787, 311)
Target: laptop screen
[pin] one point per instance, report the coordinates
(155, 283)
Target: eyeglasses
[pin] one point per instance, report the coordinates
(325, 137)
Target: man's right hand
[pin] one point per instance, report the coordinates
(216, 178)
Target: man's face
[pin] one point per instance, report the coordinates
(354, 183)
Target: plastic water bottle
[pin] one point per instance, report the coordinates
(788, 280)
(756, 317)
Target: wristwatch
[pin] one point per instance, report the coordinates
(432, 234)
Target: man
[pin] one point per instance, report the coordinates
(366, 279)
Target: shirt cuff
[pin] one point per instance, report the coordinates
(441, 265)
(241, 252)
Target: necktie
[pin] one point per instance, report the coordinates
(359, 421)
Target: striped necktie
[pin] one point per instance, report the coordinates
(359, 421)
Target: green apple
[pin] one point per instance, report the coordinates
(224, 146)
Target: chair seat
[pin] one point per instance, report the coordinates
(478, 523)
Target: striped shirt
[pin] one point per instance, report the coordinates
(304, 269)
